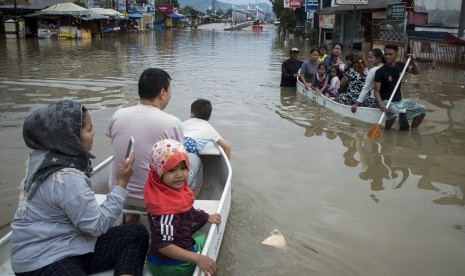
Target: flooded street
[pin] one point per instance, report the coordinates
(346, 205)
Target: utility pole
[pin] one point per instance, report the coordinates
(462, 19)
(16, 20)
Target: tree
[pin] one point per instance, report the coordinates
(228, 13)
(185, 9)
(286, 15)
(80, 3)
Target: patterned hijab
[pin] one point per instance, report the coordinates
(54, 134)
(159, 198)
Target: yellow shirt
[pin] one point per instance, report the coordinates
(321, 59)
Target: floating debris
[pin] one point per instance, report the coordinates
(275, 239)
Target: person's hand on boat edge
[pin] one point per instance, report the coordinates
(126, 169)
(207, 265)
(384, 108)
(215, 218)
(354, 107)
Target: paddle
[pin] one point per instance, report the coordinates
(374, 132)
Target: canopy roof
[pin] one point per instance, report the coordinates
(134, 15)
(175, 16)
(107, 12)
(65, 9)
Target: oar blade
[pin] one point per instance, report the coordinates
(374, 132)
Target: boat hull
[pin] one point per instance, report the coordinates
(364, 114)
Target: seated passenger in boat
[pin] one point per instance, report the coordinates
(335, 59)
(366, 97)
(169, 200)
(334, 83)
(59, 227)
(148, 123)
(320, 80)
(198, 131)
(309, 68)
(323, 53)
(353, 80)
(386, 79)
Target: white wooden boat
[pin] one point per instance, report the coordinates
(364, 114)
(215, 197)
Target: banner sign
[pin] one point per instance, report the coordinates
(351, 2)
(292, 3)
(327, 21)
(165, 8)
(312, 5)
(395, 12)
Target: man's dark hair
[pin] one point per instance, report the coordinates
(201, 109)
(391, 46)
(152, 81)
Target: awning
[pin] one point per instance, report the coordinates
(452, 39)
(427, 35)
(107, 12)
(65, 9)
(134, 16)
(175, 16)
(93, 16)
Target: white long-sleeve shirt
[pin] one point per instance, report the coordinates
(369, 83)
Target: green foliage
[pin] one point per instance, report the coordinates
(278, 7)
(286, 16)
(185, 9)
(312, 36)
(288, 19)
(80, 3)
(228, 13)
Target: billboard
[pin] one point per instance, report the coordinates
(395, 12)
(292, 3)
(165, 8)
(327, 21)
(351, 2)
(312, 5)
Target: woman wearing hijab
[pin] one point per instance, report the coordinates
(59, 227)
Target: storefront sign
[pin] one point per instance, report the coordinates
(326, 21)
(395, 12)
(292, 3)
(351, 2)
(165, 8)
(312, 5)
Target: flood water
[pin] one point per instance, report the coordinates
(346, 205)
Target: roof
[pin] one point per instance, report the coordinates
(452, 39)
(437, 36)
(427, 35)
(372, 5)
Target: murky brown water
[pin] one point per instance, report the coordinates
(346, 205)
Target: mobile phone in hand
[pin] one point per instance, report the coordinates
(130, 147)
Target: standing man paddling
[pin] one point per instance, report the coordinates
(386, 79)
(290, 68)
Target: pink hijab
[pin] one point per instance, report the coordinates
(159, 198)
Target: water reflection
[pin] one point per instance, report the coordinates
(433, 161)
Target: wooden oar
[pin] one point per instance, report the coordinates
(374, 132)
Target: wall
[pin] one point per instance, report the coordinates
(444, 13)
